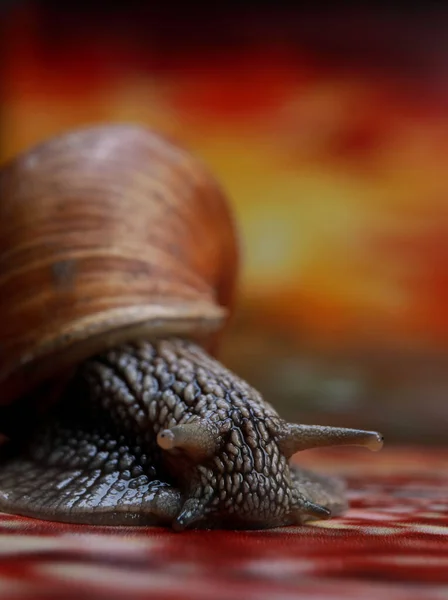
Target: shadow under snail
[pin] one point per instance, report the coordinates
(118, 262)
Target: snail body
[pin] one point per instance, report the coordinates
(118, 264)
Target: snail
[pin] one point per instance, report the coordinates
(118, 267)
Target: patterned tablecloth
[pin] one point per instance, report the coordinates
(392, 544)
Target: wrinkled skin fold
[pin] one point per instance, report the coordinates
(161, 434)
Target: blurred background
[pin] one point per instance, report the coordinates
(329, 131)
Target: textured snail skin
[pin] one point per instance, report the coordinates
(105, 455)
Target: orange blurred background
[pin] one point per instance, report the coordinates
(329, 131)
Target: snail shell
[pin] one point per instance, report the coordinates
(108, 234)
(118, 262)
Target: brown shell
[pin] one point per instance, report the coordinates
(107, 234)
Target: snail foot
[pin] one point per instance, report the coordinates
(76, 475)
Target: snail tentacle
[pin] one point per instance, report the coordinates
(318, 490)
(295, 438)
(192, 513)
(198, 439)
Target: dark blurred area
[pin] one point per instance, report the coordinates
(329, 130)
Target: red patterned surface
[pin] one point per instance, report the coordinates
(393, 544)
